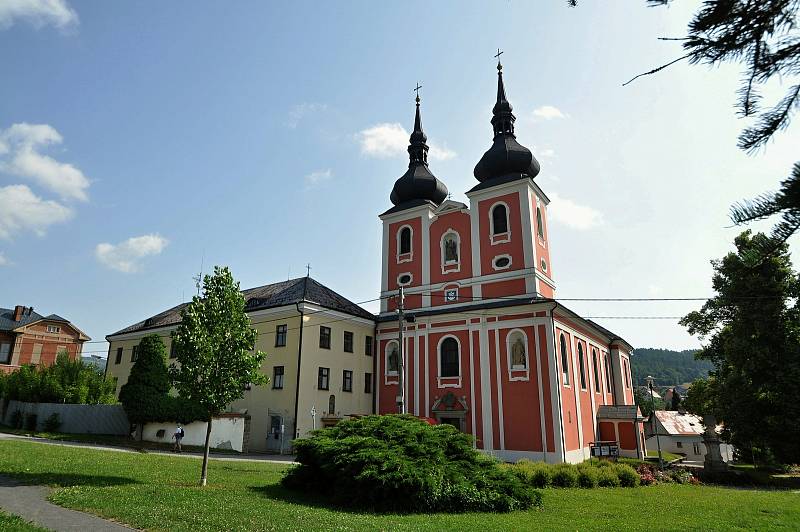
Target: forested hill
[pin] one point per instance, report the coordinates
(667, 367)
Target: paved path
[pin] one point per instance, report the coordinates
(271, 458)
(30, 503)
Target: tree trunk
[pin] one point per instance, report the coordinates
(204, 472)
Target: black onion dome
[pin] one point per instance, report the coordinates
(506, 156)
(418, 183)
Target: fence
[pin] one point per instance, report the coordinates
(75, 419)
(230, 431)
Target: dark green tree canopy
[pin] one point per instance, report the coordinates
(143, 396)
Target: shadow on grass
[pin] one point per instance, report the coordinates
(280, 493)
(10, 479)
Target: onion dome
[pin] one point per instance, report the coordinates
(418, 183)
(506, 157)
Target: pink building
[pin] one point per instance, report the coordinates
(489, 349)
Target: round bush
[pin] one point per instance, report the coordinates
(401, 463)
(565, 476)
(607, 477)
(588, 476)
(628, 477)
(535, 474)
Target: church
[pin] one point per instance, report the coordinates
(486, 347)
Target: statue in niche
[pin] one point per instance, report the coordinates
(450, 249)
(518, 354)
(393, 362)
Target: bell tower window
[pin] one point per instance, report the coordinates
(404, 250)
(498, 224)
(539, 226)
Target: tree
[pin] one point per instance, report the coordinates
(752, 328)
(214, 347)
(642, 399)
(143, 396)
(675, 403)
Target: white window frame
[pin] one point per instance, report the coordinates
(540, 224)
(5, 352)
(410, 279)
(503, 256)
(405, 257)
(500, 238)
(445, 382)
(53, 329)
(562, 356)
(450, 266)
(386, 351)
(516, 374)
(582, 363)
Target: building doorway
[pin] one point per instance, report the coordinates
(275, 433)
(454, 421)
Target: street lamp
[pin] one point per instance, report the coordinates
(649, 379)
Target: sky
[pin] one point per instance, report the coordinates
(140, 141)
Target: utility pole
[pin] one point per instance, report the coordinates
(401, 397)
(649, 381)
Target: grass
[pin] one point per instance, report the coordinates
(668, 457)
(12, 523)
(160, 492)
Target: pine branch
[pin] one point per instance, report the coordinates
(662, 67)
(771, 121)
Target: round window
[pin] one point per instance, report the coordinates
(502, 262)
(544, 265)
(404, 279)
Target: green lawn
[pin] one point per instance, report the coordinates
(160, 493)
(12, 523)
(668, 457)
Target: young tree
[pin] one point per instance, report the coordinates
(143, 396)
(215, 345)
(752, 329)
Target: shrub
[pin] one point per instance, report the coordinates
(400, 463)
(16, 419)
(646, 476)
(535, 474)
(607, 477)
(565, 476)
(30, 422)
(628, 477)
(588, 476)
(52, 423)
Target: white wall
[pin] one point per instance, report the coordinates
(226, 433)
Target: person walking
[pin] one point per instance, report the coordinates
(178, 436)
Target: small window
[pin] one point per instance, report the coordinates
(392, 359)
(582, 366)
(696, 448)
(368, 346)
(323, 378)
(448, 358)
(679, 444)
(564, 360)
(324, 337)
(367, 382)
(53, 329)
(118, 359)
(348, 342)
(172, 353)
(405, 240)
(539, 227)
(277, 378)
(135, 353)
(519, 358)
(627, 374)
(5, 353)
(608, 374)
(450, 248)
(499, 219)
(280, 335)
(502, 262)
(404, 279)
(544, 265)
(595, 371)
(347, 380)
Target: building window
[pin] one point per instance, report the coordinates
(608, 374)
(448, 358)
(119, 356)
(696, 448)
(539, 227)
(36, 354)
(679, 444)
(582, 366)
(501, 262)
(348, 342)
(595, 371)
(627, 374)
(5, 353)
(499, 219)
(280, 335)
(564, 360)
(53, 329)
(332, 405)
(135, 353)
(277, 378)
(450, 248)
(405, 240)
(367, 382)
(518, 354)
(324, 337)
(323, 378)
(347, 380)
(368, 346)
(392, 359)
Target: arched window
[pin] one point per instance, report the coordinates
(517, 352)
(608, 374)
(405, 240)
(332, 405)
(450, 251)
(564, 360)
(582, 366)
(595, 371)
(448, 358)
(539, 227)
(392, 358)
(499, 219)
(627, 374)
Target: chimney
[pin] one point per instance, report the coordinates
(18, 311)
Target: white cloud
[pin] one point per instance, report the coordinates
(39, 13)
(546, 153)
(302, 110)
(391, 140)
(21, 209)
(571, 214)
(3, 260)
(548, 112)
(21, 144)
(317, 177)
(126, 256)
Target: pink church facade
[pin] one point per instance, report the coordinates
(487, 346)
